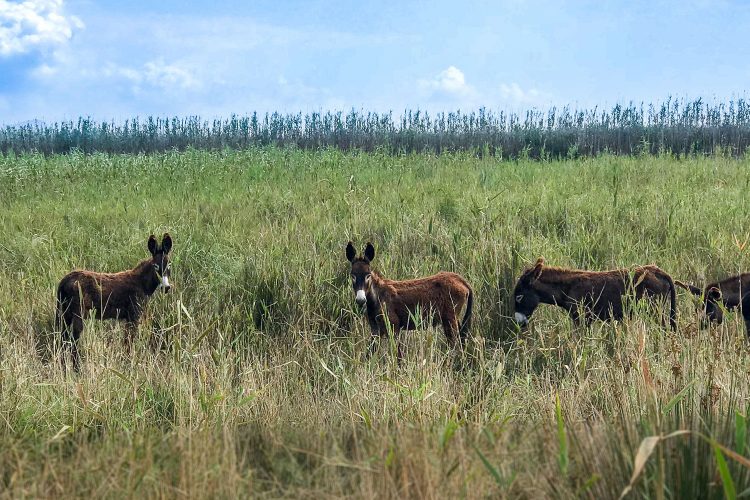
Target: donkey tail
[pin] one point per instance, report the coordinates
(746, 313)
(61, 305)
(466, 322)
(672, 304)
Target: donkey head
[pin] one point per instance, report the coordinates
(361, 278)
(711, 305)
(160, 259)
(526, 293)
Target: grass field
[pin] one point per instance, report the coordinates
(249, 378)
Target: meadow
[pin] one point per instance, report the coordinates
(249, 378)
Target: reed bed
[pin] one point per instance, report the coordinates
(680, 127)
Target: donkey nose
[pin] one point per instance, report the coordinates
(167, 288)
(360, 298)
(521, 319)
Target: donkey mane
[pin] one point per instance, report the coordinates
(563, 275)
(137, 270)
(393, 285)
(557, 275)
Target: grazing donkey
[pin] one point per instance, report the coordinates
(436, 299)
(598, 294)
(727, 293)
(119, 296)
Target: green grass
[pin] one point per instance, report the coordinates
(249, 379)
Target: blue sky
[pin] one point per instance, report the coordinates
(60, 59)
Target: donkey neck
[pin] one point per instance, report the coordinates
(374, 294)
(555, 288)
(144, 274)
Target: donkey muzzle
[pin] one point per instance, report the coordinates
(521, 319)
(360, 298)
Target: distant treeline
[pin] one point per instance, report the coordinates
(676, 126)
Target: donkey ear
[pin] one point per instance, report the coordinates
(350, 252)
(152, 244)
(369, 251)
(166, 243)
(690, 288)
(713, 293)
(537, 271)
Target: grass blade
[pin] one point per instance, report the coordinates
(726, 478)
(562, 458)
(740, 432)
(678, 397)
(491, 468)
(645, 450)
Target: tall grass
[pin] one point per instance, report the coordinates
(249, 379)
(681, 127)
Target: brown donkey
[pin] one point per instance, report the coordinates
(436, 299)
(727, 293)
(598, 294)
(120, 296)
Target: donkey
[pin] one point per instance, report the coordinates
(746, 313)
(120, 296)
(598, 294)
(436, 300)
(720, 295)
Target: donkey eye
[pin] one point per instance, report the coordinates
(156, 266)
(519, 298)
(354, 279)
(368, 277)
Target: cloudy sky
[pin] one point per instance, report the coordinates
(60, 59)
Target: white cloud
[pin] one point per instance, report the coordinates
(515, 94)
(154, 74)
(450, 81)
(450, 89)
(34, 25)
(303, 97)
(168, 76)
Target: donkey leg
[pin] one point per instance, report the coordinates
(71, 333)
(373, 346)
(575, 316)
(450, 327)
(396, 330)
(66, 329)
(399, 351)
(131, 327)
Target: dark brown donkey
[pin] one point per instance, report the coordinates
(596, 294)
(436, 300)
(119, 296)
(727, 293)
